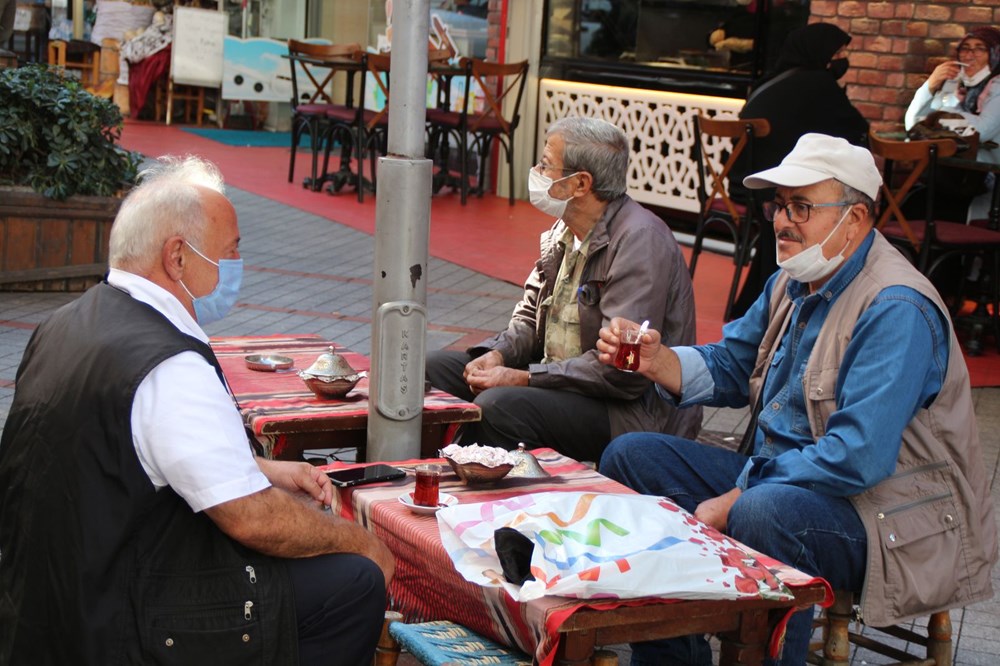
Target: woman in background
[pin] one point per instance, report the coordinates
(977, 94)
(802, 95)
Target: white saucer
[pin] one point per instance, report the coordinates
(444, 499)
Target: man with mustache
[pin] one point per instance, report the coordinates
(864, 461)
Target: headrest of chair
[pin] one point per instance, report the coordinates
(818, 157)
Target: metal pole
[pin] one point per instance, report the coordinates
(402, 224)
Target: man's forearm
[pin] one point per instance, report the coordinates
(274, 523)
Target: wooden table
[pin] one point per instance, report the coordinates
(556, 630)
(287, 418)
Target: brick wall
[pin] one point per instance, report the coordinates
(493, 38)
(896, 45)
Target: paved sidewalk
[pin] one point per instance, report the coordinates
(305, 274)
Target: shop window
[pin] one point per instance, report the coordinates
(724, 44)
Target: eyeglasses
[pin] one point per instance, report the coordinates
(542, 167)
(973, 49)
(797, 212)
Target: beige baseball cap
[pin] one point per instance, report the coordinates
(818, 157)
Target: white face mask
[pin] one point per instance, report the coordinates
(810, 265)
(975, 79)
(538, 192)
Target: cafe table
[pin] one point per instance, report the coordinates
(556, 630)
(287, 418)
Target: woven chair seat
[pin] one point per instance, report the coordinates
(442, 642)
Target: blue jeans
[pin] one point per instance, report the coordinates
(817, 534)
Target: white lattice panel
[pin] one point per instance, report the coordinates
(660, 125)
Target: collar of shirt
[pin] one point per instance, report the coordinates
(157, 298)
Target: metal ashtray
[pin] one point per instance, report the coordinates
(331, 376)
(268, 362)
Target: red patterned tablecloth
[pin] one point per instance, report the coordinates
(427, 586)
(277, 403)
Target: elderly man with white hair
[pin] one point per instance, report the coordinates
(864, 461)
(136, 524)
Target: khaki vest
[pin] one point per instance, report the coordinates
(932, 520)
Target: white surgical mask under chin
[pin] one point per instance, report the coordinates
(976, 78)
(810, 265)
(538, 192)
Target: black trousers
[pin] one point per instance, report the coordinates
(573, 424)
(339, 605)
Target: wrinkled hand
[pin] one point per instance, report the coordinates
(609, 340)
(941, 73)
(298, 479)
(715, 511)
(491, 359)
(480, 380)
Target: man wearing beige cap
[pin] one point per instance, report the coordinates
(862, 462)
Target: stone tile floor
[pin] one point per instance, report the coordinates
(305, 274)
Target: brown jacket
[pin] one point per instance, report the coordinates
(634, 269)
(932, 537)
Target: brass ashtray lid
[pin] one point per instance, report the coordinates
(329, 366)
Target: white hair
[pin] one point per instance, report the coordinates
(165, 203)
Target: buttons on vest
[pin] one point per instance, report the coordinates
(169, 642)
(246, 638)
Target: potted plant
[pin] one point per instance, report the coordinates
(61, 179)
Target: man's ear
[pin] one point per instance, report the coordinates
(172, 256)
(583, 183)
(857, 221)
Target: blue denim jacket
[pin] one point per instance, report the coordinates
(893, 366)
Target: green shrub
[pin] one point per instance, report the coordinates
(57, 138)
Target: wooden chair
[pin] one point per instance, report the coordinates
(311, 111)
(716, 207)
(477, 130)
(361, 131)
(930, 242)
(834, 648)
(193, 98)
(77, 54)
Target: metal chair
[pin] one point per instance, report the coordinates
(716, 207)
(477, 129)
(311, 110)
(930, 242)
(834, 648)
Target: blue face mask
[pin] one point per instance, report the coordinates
(215, 306)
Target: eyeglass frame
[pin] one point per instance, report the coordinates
(775, 206)
(541, 167)
(972, 49)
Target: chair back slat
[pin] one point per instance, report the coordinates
(921, 154)
(513, 76)
(314, 71)
(378, 65)
(741, 132)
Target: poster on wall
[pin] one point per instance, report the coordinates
(255, 69)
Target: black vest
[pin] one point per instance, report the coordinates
(96, 566)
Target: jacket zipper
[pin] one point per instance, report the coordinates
(252, 574)
(246, 611)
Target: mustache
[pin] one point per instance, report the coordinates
(789, 235)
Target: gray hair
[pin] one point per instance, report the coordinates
(165, 203)
(597, 147)
(853, 196)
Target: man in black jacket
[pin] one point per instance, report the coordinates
(136, 525)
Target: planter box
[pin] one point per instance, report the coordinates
(48, 245)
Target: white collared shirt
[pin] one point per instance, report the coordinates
(186, 430)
